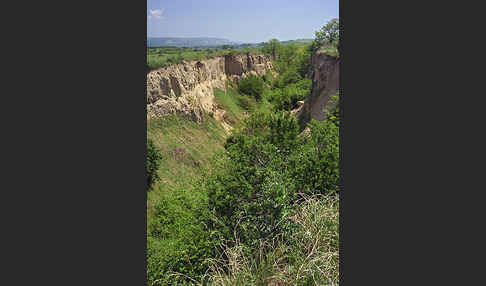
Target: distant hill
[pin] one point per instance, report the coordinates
(188, 42)
(298, 41)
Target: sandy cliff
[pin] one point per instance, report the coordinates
(325, 83)
(188, 87)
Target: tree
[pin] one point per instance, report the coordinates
(329, 33)
(252, 86)
(272, 48)
(153, 162)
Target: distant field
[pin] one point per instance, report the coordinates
(298, 42)
(164, 56)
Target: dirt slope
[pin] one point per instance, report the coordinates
(188, 87)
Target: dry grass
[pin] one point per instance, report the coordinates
(308, 256)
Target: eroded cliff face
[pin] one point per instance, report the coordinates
(188, 87)
(325, 83)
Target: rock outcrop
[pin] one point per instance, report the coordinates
(188, 87)
(325, 83)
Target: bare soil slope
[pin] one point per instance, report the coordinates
(188, 88)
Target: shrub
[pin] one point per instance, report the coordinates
(288, 77)
(252, 86)
(153, 162)
(243, 102)
(268, 164)
(268, 77)
(272, 48)
(283, 131)
(328, 34)
(314, 166)
(333, 113)
(288, 96)
(251, 193)
(178, 243)
(307, 255)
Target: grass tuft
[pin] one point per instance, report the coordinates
(307, 256)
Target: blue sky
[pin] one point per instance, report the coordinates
(239, 20)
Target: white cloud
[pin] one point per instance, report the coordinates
(156, 14)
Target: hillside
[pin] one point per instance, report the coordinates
(242, 192)
(191, 108)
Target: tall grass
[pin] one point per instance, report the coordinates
(307, 256)
(186, 147)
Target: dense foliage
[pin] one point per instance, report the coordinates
(271, 48)
(292, 85)
(268, 195)
(308, 256)
(329, 34)
(286, 98)
(251, 85)
(177, 242)
(268, 164)
(152, 163)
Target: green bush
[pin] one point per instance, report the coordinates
(306, 255)
(249, 195)
(283, 131)
(178, 243)
(314, 166)
(333, 113)
(267, 164)
(252, 85)
(328, 34)
(287, 97)
(288, 77)
(153, 162)
(268, 77)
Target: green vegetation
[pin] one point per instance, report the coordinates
(308, 256)
(298, 42)
(176, 241)
(271, 48)
(235, 104)
(292, 63)
(248, 198)
(327, 39)
(252, 85)
(258, 206)
(251, 199)
(152, 164)
(186, 147)
(164, 56)
(329, 33)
